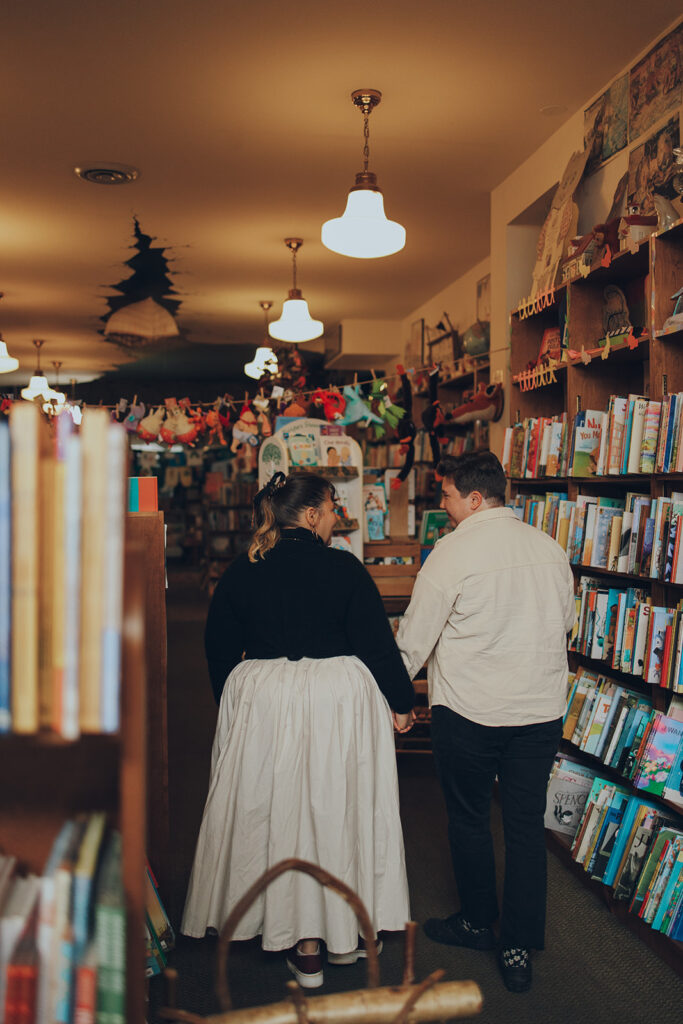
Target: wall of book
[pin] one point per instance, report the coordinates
(594, 455)
(72, 732)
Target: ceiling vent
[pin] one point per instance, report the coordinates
(107, 174)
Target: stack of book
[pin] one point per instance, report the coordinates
(620, 627)
(636, 849)
(637, 534)
(621, 728)
(633, 435)
(159, 935)
(63, 936)
(62, 517)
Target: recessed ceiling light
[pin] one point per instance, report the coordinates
(553, 110)
(107, 173)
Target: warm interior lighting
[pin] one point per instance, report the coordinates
(7, 362)
(38, 386)
(295, 323)
(364, 231)
(265, 361)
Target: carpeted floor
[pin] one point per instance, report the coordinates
(592, 969)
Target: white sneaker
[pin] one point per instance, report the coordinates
(359, 953)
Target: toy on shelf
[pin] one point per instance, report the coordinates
(433, 417)
(245, 430)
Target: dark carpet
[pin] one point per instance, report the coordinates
(592, 969)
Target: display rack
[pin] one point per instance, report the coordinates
(274, 457)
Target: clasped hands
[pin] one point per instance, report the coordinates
(403, 722)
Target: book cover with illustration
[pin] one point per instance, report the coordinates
(336, 451)
(660, 755)
(587, 435)
(303, 447)
(567, 792)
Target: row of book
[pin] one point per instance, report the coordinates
(63, 935)
(623, 629)
(62, 520)
(633, 435)
(637, 534)
(621, 728)
(631, 845)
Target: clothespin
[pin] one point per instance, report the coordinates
(355, 379)
(631, 340)
(606, 349)
(373, 374)
(585, 358)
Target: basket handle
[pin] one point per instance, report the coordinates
(322, 876)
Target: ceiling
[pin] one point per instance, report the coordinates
(238, 117)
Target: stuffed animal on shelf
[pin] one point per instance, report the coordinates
(357, 410)
(433, 417)
(150, 426)
(245, 430)
(406, 430)
(484, 404)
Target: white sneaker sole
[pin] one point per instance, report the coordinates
(305, 980)
(352, 957)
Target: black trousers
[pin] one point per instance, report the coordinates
(468, 757)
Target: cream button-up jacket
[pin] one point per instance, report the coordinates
(490, 613)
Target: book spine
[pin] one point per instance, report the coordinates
(5, 580)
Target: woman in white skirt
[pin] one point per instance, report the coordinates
(307, 674)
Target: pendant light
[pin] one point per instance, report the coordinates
(38, 386)
(265, 360)
(7, 362)
(364, 231)
(295, 323)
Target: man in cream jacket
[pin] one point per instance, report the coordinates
(489, 614)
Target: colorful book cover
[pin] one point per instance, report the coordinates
(649, 442)
(567, 792)
(587, 444)
(303, 447)
(660, 755)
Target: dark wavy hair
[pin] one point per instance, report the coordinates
(280, 503)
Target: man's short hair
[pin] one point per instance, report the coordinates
(475, 471)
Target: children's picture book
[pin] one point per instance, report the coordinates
(435, 524)
(303, 447)
(660, 755)
(335, 451)
(374, 508)
(567, 792)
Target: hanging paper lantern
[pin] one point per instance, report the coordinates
(140, 323)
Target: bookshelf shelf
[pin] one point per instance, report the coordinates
(651, 368)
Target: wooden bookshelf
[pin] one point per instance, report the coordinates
(652, 367)
(44, 780)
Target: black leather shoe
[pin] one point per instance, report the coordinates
(515, 966)
(452, 931)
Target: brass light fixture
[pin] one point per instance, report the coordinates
(364, 231)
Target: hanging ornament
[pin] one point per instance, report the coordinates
(406, 430)
(357, 411)
(214, 426)
(135, 413)
(433, 417)
(332, 402)
(149, 426)
(245, 430)
(384, 405)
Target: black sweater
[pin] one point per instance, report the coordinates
(303, 600)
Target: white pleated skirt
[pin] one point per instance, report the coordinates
(303, 765)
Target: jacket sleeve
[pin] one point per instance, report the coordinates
(423, 622)
(371, 639)
(224, 633)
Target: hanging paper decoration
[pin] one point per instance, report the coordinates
(406, 430)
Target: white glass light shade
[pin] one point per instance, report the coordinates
(265, 361)
(7, 362)
(37, 385)
(295, 323)
(364, 231)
